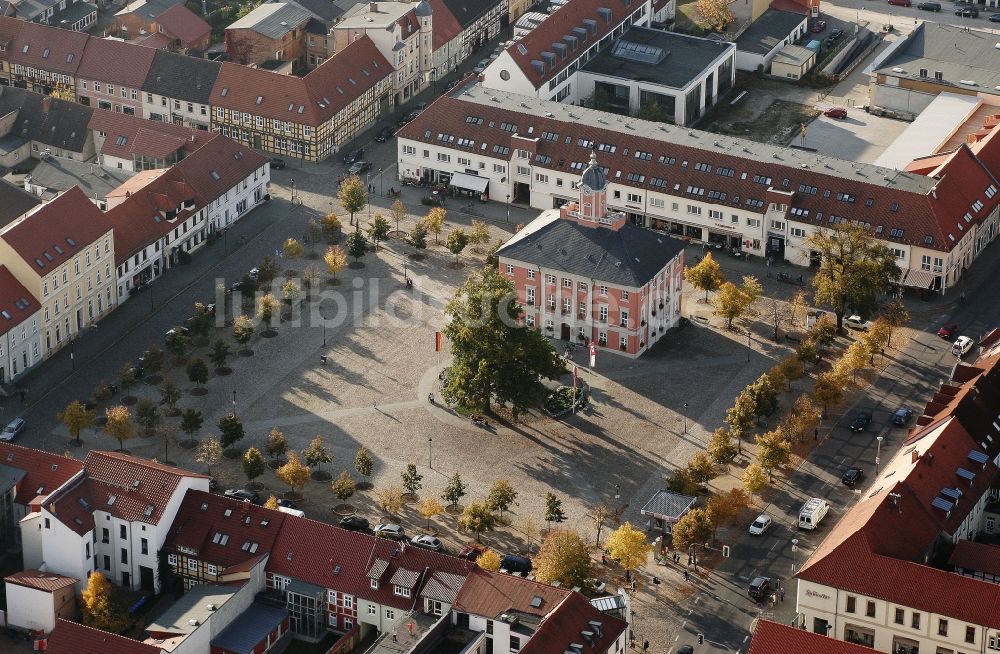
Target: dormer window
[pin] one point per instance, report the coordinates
(374, 584)
(401, 591)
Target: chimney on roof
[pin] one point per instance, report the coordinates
(914, 456)
(374, 7)
(46, 104)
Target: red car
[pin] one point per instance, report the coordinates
(471, 552)
(948, 330)
(836, 112)
(818, 26)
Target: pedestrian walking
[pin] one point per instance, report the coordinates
(816, 434)
(687, 575)
(782, 591)
(633, 585)
(394, 633)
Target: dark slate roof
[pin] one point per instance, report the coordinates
(60, 174)
(466, 12)
(14, 202)
(181, 77)
(71, 14)
(249, 629)
(324, 9)
(64, 125)
(627, 257)
(684, 58)
(766, 32)
(668, 503)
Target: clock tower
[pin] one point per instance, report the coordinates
(593, 193)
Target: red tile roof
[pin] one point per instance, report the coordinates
(183, 24)
(217, 166)
(115, 61)
(9, 29)
(918, 214)
(976, 557)
(310, 100)
(124, 486)
(70, 223)
(445, 26)
(890, 532)
(45, 472)
(72, 638)
(17, 304)
(128, 136)
(312, 551)
(49, 48)
(488, 594)
(202, 515)
(566, 624)
(774, 638)
(45, 581)
(154, 41)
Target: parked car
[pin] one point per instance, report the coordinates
(761, 524)
(817, 26)
(359, 167)
(685, 649)
(967, 12)
(929, 6)
(385, 134)
(243, 495)
(514, 563)
(836, 112)
(287, 504)
(857, 322)
(12, 430)
(390, 530)
(834, 35)
(901, 3)
(421, 106)
(354, 155)
(962, 346)
(852, 477)
(277, 163)
(948, 330)
(254, 273)
(408, 117)
(902, 415)
(481, 66)
(994, 18)
(427, 542)
(861, 421)
(471, 552)
(354, 523)
(760, 587)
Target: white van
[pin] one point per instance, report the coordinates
(962, 346)
(291, 511)
(812, 512)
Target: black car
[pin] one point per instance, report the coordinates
(277, 163)
(385, 134)
(994, 18)
(354, 155)
(354, 523)
(929, 6)
(287, 504)
(243, 495)
(760, 587)
(834, 37)
(901, 416)
(408, 117)
(359, 167)
(852, 477)
(861, 421)
(967, 12)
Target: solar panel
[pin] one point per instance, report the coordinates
(953, 493)
(965, 474)
(638, 52)
(941, 503)
(978, 456)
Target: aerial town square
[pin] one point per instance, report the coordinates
(456, 326)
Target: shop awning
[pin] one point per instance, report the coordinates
(469, 182)
(917, 279)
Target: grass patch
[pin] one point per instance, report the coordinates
(302, 647)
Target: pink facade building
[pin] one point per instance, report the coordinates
(584, 274)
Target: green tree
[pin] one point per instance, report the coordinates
(220, 354)
(553, 510)
(479, 235)
(701, 468)
(266, 273)
(477, 518)
(896, 315)
(209, 451)
(694, 528)
(855, 269)
(753, 291)
(714, 14)
(652, 112)
(501, 496)
(363, 463)
(353, 196)
(126, 377)
(828, 390)
(777, 312)
(681, 481)
(243, 330)
(434, 222)
(456, 241)
(398, 210)
(343, 487)
(789, 369)
(335, 259)
(231, 430)
(390, 500)
(291, 292)
(294, 474)
(802, 419)
(201, 321)
(741, 418)
(170, 394)
(197, 372)
(147, 414)
(720, 446)
(754, 479)
(494, 357)
(799, 306)
(773, 450)
(730, 303)
(628, 546)
(178, 342)
(276, 445)
(412, 479)
(292, 249)
(418, 238)
(454, 491)
(356, 245)
(119, 424)
(331, 225)
(253, 463)
(764, 395)
(314, 232)
(316, 453)
(267, 306)
(706, 275)
(153, 360)
(563, 558)
(428, 508)
(379, 230)
(191, 422)
(76, 417)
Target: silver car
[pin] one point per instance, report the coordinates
(12, 430)
(760, 525)
(427, 542)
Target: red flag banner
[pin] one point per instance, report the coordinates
(438, 341)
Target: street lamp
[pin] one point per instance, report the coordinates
(618, 492)
(878, 453)
(749, 344)
(380, 181)
(795, 548)
(430, 452)
(324, 330)
(234, 402)
(434, 80)
(508, 207)
(685, 418)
